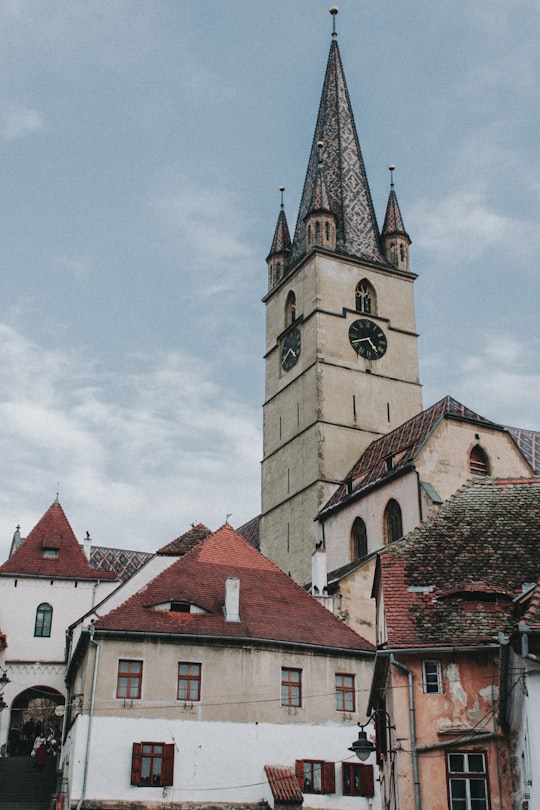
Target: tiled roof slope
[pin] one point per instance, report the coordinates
(281, 243)
(35, 556)
(283, 783)
(453, 580)
(120, 561)
(187, 541)
(250, 531)
(528, 442)
(349, 196)
(272, 606)
(401, 445)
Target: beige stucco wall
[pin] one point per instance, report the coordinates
(238, 684)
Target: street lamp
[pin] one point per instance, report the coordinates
(363, 747)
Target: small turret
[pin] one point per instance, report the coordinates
(278, 258)
(394, 238)
(320, 222)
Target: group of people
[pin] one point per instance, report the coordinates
(43, 746)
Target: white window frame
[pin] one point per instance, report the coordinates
(432, 677)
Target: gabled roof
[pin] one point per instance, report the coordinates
(453, 581)
(272, 606)
(395, 452)
(52, 550)
(528, 442)
(349, 196)
(122, 562)
(181, 545)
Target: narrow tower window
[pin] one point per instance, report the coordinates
(359, 547)
(365, 297)
(42, 627)
(290, 308)
(393, 527)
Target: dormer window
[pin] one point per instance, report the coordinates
(50, 553)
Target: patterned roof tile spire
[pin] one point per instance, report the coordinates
(281, 243)
(349, 196)
(393, 221)
(320, 200)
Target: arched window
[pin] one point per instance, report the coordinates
(290, 308)
(478, 461)
(393, 526)
(327, 231)
(359, 547)
(365, 297)
(43, 623)
(317, 233)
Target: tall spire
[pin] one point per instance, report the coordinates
(349, 197)
(394, 237)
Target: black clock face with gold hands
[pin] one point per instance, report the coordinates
(290, 350)
(367, 339)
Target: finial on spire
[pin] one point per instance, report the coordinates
(333, 11)
(57, 499)
(391, 168)
(282, 189)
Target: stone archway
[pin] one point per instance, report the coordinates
(34, 710)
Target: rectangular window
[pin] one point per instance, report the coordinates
(358, 779)
(467, 781)
(129, 679)
(431, 677)
(291, 687)
(152, 764)
(189, 681)
(316, 776)
(345, 693)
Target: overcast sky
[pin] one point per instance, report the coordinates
(143, 145)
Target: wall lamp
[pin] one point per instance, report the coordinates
(4, 680)
(363, 747)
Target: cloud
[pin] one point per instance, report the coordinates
(17, 122)
(139, 455)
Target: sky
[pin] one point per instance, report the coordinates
(142, 149)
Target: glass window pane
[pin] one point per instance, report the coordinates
(456, 763)
(476, 763)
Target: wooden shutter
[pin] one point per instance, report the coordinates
(136, 764)
(167, 771)
(329, 777)
(367, 783)
(299, 770)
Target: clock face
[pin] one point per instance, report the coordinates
(367, 339)
(290, 351)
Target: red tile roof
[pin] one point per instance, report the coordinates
(52, 550)
(272, 606)
(453, 581)
(401, 446)
(283, 783)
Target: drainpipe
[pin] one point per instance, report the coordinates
(90, 716)
(412, 724)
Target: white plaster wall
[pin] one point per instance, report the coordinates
(213, 761)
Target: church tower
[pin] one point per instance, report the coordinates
(341, 344)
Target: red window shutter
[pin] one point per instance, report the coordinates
(329, 777)
(299, 770)
(136, 764)
(167, 772)
(367, 782)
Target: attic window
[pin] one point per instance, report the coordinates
(389, 463)
(50, 553)
(180, 607)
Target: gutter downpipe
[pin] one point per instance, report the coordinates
(412, 724)
(90, 716)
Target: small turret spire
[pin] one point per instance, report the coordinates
(394, 237)
(278, 258)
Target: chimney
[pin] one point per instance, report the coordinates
(319, 578)
(232, 599)
(86, 545)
